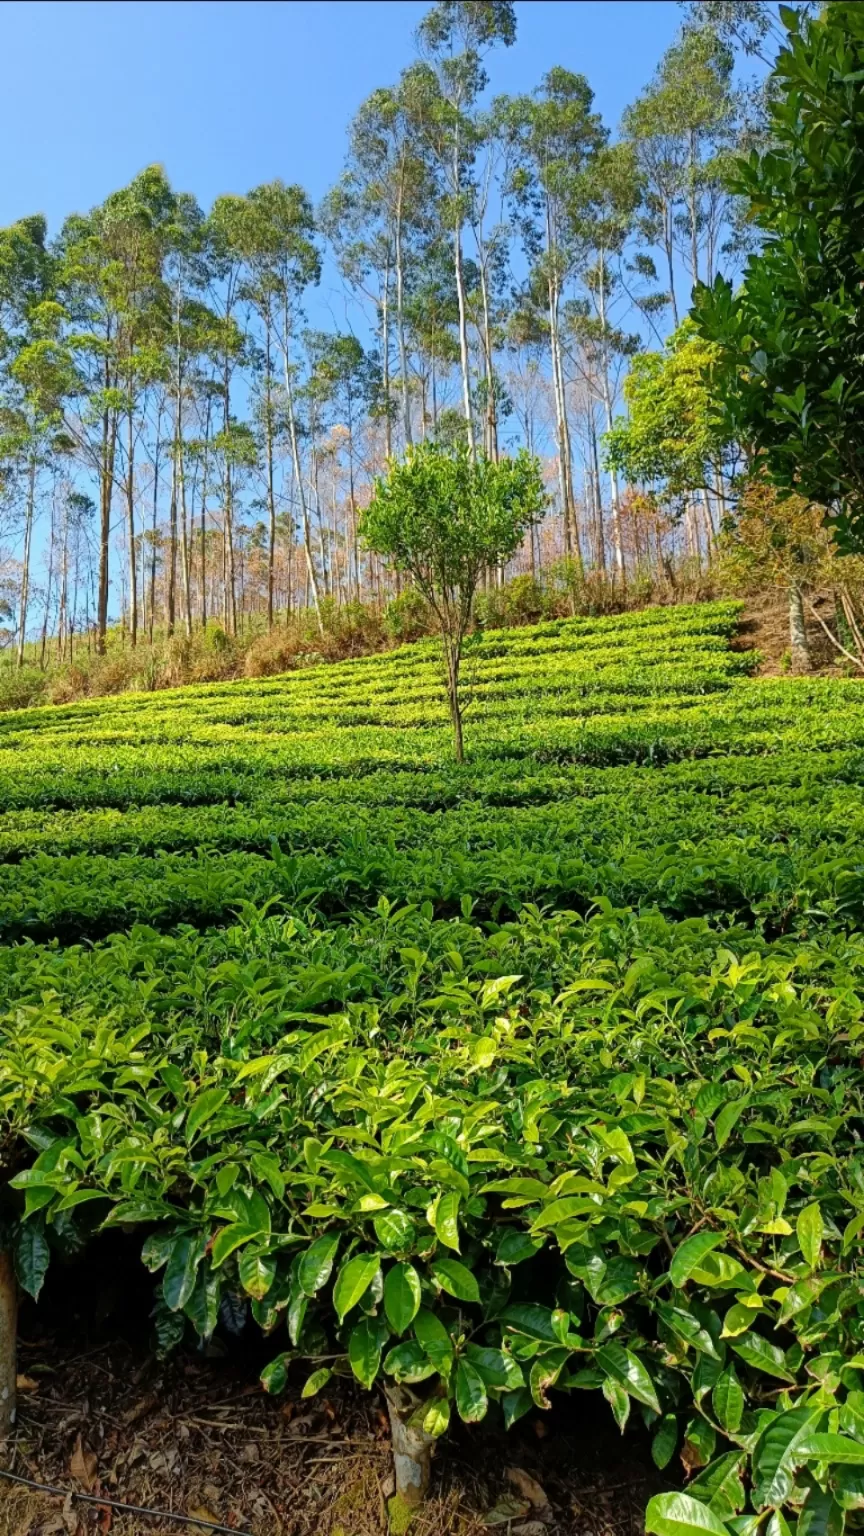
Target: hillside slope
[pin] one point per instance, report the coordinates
(627, 757)
(428, 1070)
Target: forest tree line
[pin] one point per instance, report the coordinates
(179, 445)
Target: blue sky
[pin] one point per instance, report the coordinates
(229, 93)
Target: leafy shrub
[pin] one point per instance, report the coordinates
(625, 1186)
(538, 1073)
(20, 688)
(408, 617)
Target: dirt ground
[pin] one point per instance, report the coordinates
(765, 627)
(198, 1436)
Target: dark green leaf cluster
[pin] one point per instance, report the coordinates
(789, 378)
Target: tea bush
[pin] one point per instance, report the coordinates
(484, 1082)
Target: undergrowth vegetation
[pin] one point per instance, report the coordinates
(540, 1072)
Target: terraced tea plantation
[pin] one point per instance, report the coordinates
(482, 1082)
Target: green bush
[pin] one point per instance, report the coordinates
(537, 1073)
(408, 617)
(20, 688)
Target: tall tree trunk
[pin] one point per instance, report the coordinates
(62, 610)
(154, 528)
(617, 543)
(385, 363)
(184, 542)
(693, 211)
(460, 296)
(179, 489)
(171, 612)
(798, 643)
(670, 262)
(298, 478)
(204, 467)
(130, 528)
(400, 327)
(710, 526)
(25, 561)
(49, 586)
(491, 402)
(228, 516)
(598, 494)
(271, 494)
(106, 485)
(572, 548)
(352, 504)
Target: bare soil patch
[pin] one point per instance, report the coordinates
(764, 627)
(197, 1436)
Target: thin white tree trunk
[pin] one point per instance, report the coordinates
(25, 562)
(298, 480)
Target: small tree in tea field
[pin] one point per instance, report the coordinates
(444, 518)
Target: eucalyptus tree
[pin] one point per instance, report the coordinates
(681, 128)
(555, 138)
(374, 217)
(135, 224)
(492, 246)
(605, 202)
(192, 331)
(226, 237)
(36, 376)
(275, 234)
(32, 430)
(441, 93)
(348, 379)
(432, 319)
(110, 281)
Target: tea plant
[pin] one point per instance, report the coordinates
(476, 1082)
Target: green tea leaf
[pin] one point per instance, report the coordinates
(498, 1369)
(353, 1280)
(471, 1399)
(401, 1296)
(409, 1362)
(758, 1352)
(187, 1251)
(32, 1256)
(664, 1441)
(455, 1278)
(257, 1272)
(395, 1231)
(446, 1219)
(316, 1264)
(436, 1417)
(623, 1366)
(515, 1405)
(364, 1350)
(727, 1119)
(810, 1229)
(515, 1247)
(727, 1398)
(434, 1339)
(839, 1449)
(203, 1108)
(689, 1255)
(777, 1454)
(316, 1381)
(678, 1514)
(274, 1377)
